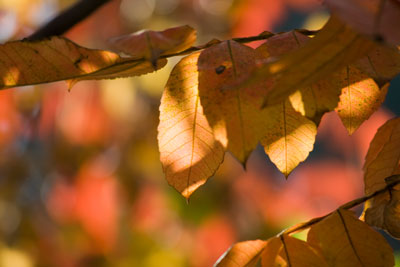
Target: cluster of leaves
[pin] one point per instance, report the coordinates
(225, 96)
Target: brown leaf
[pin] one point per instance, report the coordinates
(57, 58)
(153, 44)
(289, 138)
(189, 153)
(246, 254)
(377, 18)
(382, 63)
(383, 157)
(346, 241)
(384, 210)
(233, 113)
(333, 48)
(360, 98)
(289, 251)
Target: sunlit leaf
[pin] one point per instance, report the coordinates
(289, 138)
(346, 241)
(57, 58)
(233, 113)
(311, 101)
(289, 251)
(153, 44)
(376, 18)
(246, 254)
(189, 152)
(333, 48)
(360, 98)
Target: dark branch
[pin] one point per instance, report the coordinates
(67, 19)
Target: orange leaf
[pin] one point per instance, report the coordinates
(346, 241)
(376, 18)
(311, 101)
(233, 113)
(290, 137)
(334, 47)
(189, 153)
(57, 58)
(246, 253)
(360, 98)
(289, 251)
(153, 44)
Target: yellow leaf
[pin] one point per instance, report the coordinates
(233, 113)
(377, 18)
(57, 58)
(289, 251)
(189, 153)
(382, 63)
(153, 44)
(289, 138)
(360, 98)
(333, 48)
(346, 241)
(246, 254)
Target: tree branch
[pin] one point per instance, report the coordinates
(67, 19)
(391, 182)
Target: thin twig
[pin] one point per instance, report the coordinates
(67, 19)
(390, 184)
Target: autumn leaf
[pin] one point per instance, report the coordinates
(289, 138)
(384, 210)
(346, 241)
(382, 161)
(246, 254)
(311, 101)
(289, 251)
(383, 157)
(153, 44)
(382, 63)
(377, 18)
(360, 98)
(233, 113)
(332, 48)
(188, 150)
(57, 58)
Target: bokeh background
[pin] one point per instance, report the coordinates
(80, 179)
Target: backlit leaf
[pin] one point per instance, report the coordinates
(233, 113)
(289, 138)
(382, 63)
(245, 254)
(333, 48)
(189, 153)
(360, 98)
(57, 58)
(311, 101)
(289, 251)
(346, 241)
(153, 44)
(376, 18)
